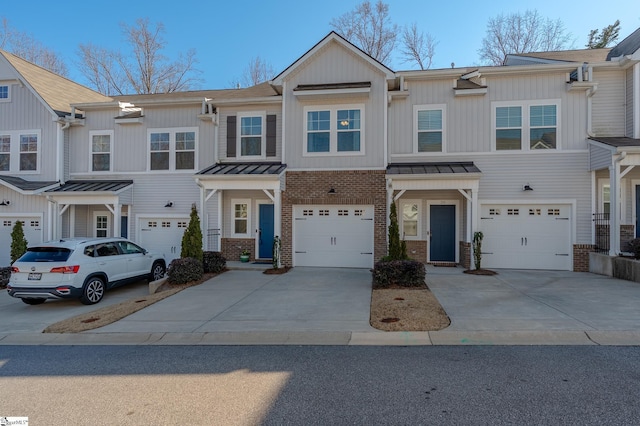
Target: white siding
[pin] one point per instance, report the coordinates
(609, 104)
(224, 112)
(630, 99)
(254, 196)
(599, 158)
(335, 64)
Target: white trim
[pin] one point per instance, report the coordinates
(402, 202)
(444, 202)
(634, 207)
(234, 202)
(94, 224)
(93, 133)
(8, 86)
(172, 148)
(525, 125)
(469, 154)
(333, 131)
(430, 107)
(602, 183)
(15, 153)
(310, 94)
(636, 101)
(263, 135)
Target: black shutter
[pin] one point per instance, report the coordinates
(271, 135)
(231, 136)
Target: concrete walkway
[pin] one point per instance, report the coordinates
(331, 306)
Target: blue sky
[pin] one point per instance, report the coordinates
(226, 35)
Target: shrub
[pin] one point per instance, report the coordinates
(18, 241)
(184, 270)
(213, 261)
(5, 274)
(634, 247)
(192, 237)
(402, 273)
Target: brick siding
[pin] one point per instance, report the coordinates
(581, 257)
(232, 247)
(465, 254)
(417, 250)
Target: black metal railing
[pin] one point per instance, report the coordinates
(212, 239)
(602, 232)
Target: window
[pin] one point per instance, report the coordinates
(101, 151)
(429, 128)
(20, 151)
(334, 130)
(102, 225)
(5, 93)
(172, 149)
(606, 198)
(410, 211)
(5, 153)
(526, 125)
(251, 135)
(241, 218)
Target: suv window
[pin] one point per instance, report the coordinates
(46, 254)
(129, 248)
(107, 249)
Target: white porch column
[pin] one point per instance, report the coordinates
(614, 219)
(220, 196)
(72, 221)
(475, 219)
(50, 216)
(277, 213)
(117, 214)
(203, 228)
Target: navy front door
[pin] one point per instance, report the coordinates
(637, 211)
(265, 244)
(443, 233)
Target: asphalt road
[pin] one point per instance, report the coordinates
(287, 385)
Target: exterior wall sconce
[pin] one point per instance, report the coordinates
(527, 187)
(5, 203)
(331, 191)
(169, 204)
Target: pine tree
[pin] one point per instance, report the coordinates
(395, 249)
(18, 241)
(192, 237)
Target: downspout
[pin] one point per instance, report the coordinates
(60, 152)
(592, 91)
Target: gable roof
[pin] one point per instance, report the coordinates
(628, 46)
(337, 38)
(576, 55)
(57, 92)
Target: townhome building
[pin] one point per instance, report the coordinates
(525, 153)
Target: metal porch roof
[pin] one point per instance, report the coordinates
(76, 186)
(226, 169)
(432, 168)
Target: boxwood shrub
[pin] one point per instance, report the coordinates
(184, 270)
(401, 273)
(214, 262)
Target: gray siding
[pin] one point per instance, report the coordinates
(224, 112)
(335, 64)
(630, 98)
(609, 110)
(599, 158)
(254, 196)
(468, 125)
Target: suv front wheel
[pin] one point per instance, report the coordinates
(157, 271)
(93, 291)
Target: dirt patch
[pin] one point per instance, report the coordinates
(110, 314)
(403, 309)
(278, 271)
(480, 272)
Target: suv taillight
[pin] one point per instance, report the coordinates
(14, 269)
(66, 269)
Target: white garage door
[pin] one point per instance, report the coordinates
(163, 235)
(32, 226)
(333, 236)
(523, 236)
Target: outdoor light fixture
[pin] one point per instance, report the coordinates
(527, 187)
(169, 204)
(5, 203)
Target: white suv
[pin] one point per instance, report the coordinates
(81, 268)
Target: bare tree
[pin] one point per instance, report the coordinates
(599, 39)
(418, 47)
(521, 33)
(144, 70)
(369, 27)
(25, 46)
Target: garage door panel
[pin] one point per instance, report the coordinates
(339, 236)
(526, 236)
(163, 235)
(32, 227)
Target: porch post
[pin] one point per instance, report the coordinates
(474, 221)
(614, 220)
(117, 213)
(50, 220)
(220, 193)
(277, 216)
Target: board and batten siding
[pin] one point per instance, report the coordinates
(468, 123)
(224, 112)
(130, 141)
(335, 64)
(630, 99)
(609, 109)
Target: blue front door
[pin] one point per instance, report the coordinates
(443, 233)
(637, 211)
(265, 244)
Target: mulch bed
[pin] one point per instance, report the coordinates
(480, 272)
(279, 271)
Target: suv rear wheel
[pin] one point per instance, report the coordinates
(93, 291)
(157, 271)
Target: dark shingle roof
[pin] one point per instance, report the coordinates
(93, 186)
(221, 169)
(617, 141)
(26, 185)
(432, 168)
(627, 46)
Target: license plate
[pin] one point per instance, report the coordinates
(34, 276)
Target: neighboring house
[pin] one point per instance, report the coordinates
(519, 152)
(35, 117)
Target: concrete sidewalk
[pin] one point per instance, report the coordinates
(319, 306)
